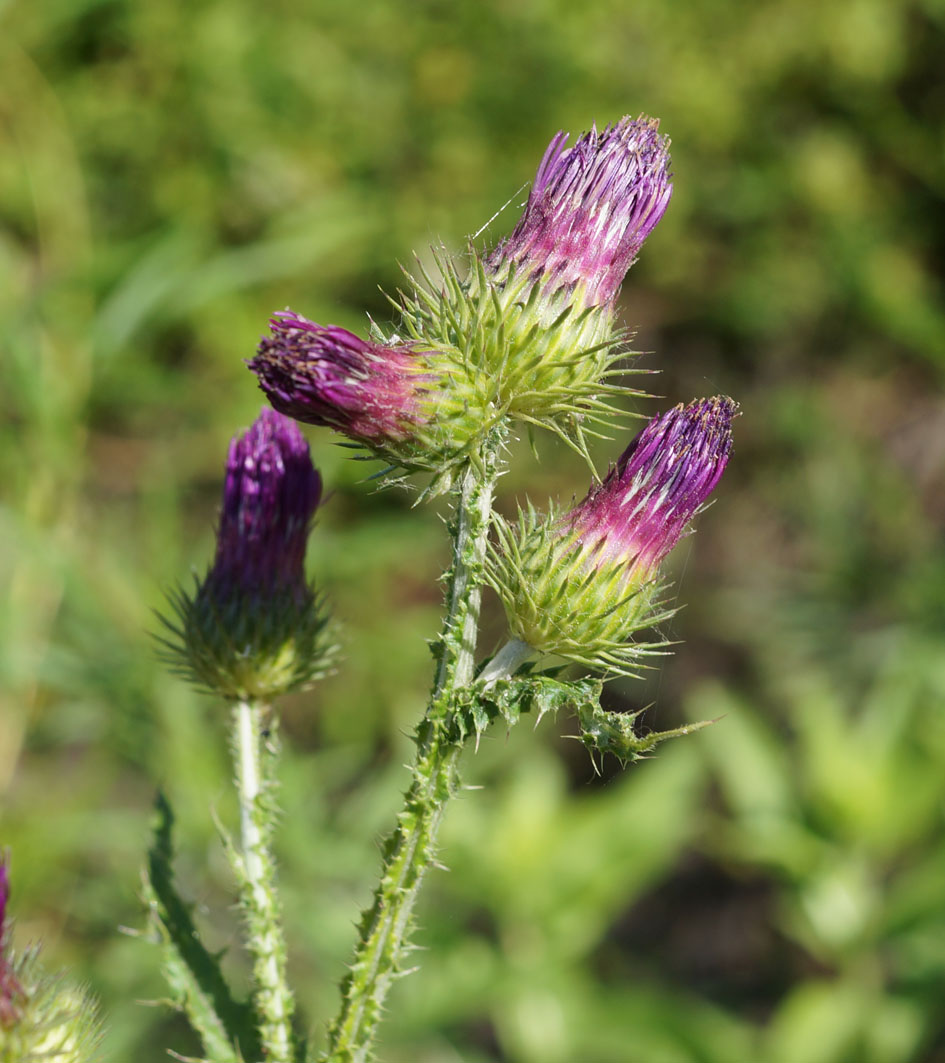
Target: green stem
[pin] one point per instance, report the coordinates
(411, 848)
(505, 663)
(256, 869)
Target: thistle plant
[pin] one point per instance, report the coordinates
(252, 629)
(525, 334)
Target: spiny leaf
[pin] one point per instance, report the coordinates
(509, 699)
(615, 733)
(197, 985)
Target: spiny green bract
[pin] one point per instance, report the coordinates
(517, 349)
(560, 604)
(55, 1021)
(248, 646)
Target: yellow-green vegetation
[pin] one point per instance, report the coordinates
(770, 890)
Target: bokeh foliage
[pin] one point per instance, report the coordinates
(772, 889)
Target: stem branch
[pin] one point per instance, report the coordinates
(411, 848)
(256, 870)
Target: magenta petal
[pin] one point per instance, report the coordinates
(639, 512)
(591, 207)
(325, 375)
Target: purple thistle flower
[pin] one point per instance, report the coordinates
(583, 584)
(11, 992)
(325, 375)
(590, 209)
(639, 512)
(269, 498)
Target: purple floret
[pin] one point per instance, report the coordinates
(269, 498)
(591, 208)
(11, 992)
(325, 375)
(639, 512)
(4, 894)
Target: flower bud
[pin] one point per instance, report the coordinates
(580, 584)
(253, 627)
(42, 1017)
(533, 323)
(589, 211)
(404, 403)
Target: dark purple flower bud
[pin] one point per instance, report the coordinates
(325, 375)
(254, 627)
(269, 498)
(590, 210)
(643, 506)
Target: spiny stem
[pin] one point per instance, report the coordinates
(411, 848)
(272, 998)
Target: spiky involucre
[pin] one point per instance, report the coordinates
(43, 1018)
(56, 1021)
(517, 352)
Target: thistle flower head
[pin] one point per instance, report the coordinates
(253, 627)
(590, 209)
(11, 992)
(42, 1017)
(398, 400)
(580, 584)
(533, 321)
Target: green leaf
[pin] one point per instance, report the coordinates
(196, 982)
(509, 699)
(615, 732)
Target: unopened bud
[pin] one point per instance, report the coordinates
(580, 585)
(411, 406)
(254, 627)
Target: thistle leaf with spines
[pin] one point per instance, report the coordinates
(198, 988)
(615, 733)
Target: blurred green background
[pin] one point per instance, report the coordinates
(770, 890)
